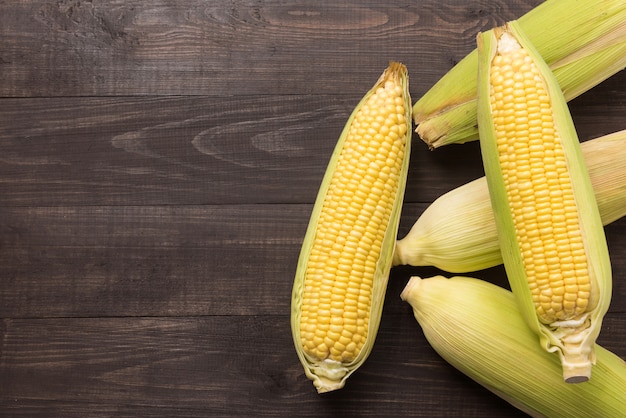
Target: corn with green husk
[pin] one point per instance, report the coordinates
(457, 232)
(478, 328)
(346, 256)
(548, 222)
(587, 46)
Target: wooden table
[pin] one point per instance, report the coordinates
(158, 164)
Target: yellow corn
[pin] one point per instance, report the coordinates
(538, 185)
(478, 328)
(586, 47)
(346, 256)
(548, 222)
(457, 232)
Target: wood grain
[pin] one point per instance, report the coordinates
(215, 365)
(205, 365)
(158, 165)
(191, 47)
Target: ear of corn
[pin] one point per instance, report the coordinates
(587, 46)
(457, 232)
(346, 256)
(549, 228)
(477, 327)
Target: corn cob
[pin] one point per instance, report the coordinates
(478, 328)
(549, 227)
(586, 47)
(346, 256)
(457, 232)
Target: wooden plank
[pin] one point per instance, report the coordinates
(204, 150)
(206, 365)
(158, 261)
(143, 151)
(224, 366)
(92, 261)
(189, 47)
(164, 150)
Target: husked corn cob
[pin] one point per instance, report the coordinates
(347, 252)
(457, 232)
(587, 46)
(548, 222)
(478, 328)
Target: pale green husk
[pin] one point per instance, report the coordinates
(576, 358)
(584, 42)
(477, 327)
(457, 232)
(331, 375)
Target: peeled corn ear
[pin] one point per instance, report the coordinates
(346, 256)
(457, 232)
(549, 227)
(587, 46)
(478, 328)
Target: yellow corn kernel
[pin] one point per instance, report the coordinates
(346, 257)
(338, 263)
(514, 79)
(548, 221)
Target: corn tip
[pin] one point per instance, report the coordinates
(411, 286)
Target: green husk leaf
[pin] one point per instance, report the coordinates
(478, 328)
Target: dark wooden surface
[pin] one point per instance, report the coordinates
(158, 163)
